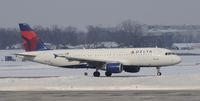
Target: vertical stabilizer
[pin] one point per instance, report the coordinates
(30, 39)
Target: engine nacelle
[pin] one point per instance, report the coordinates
(114, 67)
(131, 69)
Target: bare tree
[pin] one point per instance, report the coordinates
(132, 32)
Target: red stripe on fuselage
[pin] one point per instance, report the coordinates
(32, 37)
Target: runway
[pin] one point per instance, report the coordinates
(101, 96)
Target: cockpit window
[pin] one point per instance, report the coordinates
(170, 53)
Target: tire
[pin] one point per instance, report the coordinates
(159, 73)
(108, 74)
(96, 74)
(86, 74)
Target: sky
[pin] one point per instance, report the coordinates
(81, 13)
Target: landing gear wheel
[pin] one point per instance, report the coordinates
(108, 74)
(96, 74)
(158, 71)
(86, 74)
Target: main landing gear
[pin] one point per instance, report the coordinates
(158, 71)
(96, 74)
(108, 74)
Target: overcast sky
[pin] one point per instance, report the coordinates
(80, 13)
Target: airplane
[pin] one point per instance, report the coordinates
(113, 60)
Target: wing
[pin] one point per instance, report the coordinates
(92, 62)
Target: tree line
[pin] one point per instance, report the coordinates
(127, 34)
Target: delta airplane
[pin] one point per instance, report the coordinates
(110, 60)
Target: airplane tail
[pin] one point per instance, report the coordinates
(30, 39)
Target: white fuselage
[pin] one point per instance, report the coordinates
(142, 57)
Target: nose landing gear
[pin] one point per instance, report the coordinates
(158, 71)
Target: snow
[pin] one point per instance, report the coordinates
(166, 30)
(170, 82)
(184, 46)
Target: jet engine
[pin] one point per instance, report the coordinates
(131, 69)
(114, 67)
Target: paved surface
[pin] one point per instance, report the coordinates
(100, 96)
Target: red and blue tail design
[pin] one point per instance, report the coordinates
(30, 39)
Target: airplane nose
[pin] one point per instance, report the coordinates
(178, 59)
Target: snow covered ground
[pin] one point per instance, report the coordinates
(77, 83)
(20, 75)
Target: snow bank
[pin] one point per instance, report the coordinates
(73, 83)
